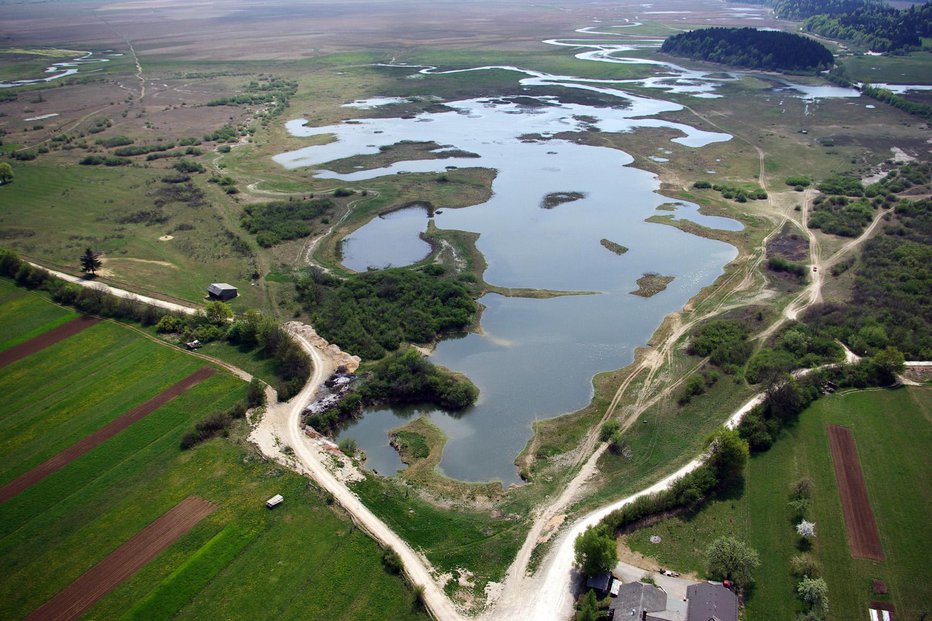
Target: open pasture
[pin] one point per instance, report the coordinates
(892, 431)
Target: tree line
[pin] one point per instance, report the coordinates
(868, 23)
(215, 322)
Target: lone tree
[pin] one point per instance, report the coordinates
(729, 454)
(730, 559)
(814, 592)
(588, 608)
(90, 262)
(6, 173)
(595, 551)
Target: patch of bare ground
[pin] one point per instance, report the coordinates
(47, 339)
(123, 562)
(863, 535)
(95, 439)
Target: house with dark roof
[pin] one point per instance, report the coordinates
(221, 291)
(711, 602)
(635, 602)
(600, 583)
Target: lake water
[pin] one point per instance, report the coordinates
(535, 359)
(390, 240)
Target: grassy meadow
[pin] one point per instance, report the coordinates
(302, 560)
(892, 431)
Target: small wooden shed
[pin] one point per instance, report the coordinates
(221, 291)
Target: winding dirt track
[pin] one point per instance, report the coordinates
(46, 339)
(80, 595)
(863, 536)
(95, 439)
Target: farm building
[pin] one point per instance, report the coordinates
(221, 291)
(711, 601)
(636, 601)
(274, 501)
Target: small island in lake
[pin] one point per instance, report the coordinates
(558, 198)
(612, 246)
(652, 283)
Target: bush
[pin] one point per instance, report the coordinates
(279, 221)
(188, 166)
(391, 562)
(349, 446)
(255, 395)
(805, 566)
(724, 341)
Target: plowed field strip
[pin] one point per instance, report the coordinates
(123, 562)
(18, 352)
(93, 440)
(863, 536)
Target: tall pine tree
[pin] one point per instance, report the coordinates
(90, 262)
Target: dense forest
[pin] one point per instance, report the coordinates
(749, 47)
(372, 313)
(890, 302)
(867, 23)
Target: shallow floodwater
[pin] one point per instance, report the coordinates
(534, 358)
(56, 71)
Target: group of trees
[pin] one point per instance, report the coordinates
(251, 331)
(372, 313)
(399, 378)
(890, 302)
(868, 23)
(278, 221)
(724, 341)
(749, 47)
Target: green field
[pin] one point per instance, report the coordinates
(302, 560)
(915, 68)
(54, 210)
(892, 431)
(26, 316)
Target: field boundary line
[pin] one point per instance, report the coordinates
(76, 598)
(47, 339)
(96, 438)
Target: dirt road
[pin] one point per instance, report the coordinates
(281, 427)
(548, 594)
(120, 293)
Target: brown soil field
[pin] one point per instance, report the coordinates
(123, 562)
(863, 536)
(90, 442)
(47, 339)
